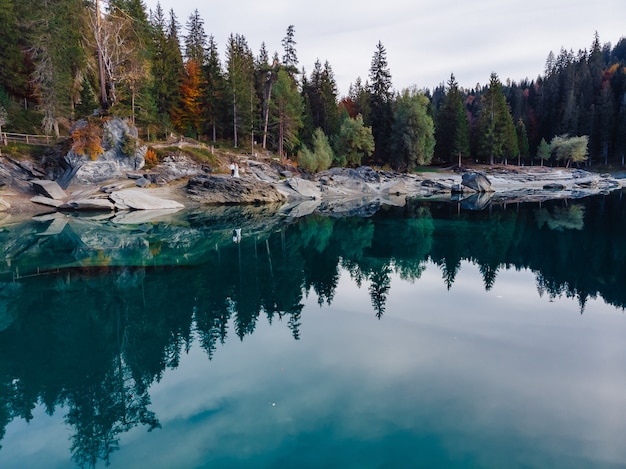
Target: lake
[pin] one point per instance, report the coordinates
(426, 335)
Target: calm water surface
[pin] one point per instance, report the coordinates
(421, 336)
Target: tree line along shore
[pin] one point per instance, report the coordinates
(69, 60)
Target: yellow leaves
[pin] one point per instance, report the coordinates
(188, 115)
(151, 158)
(87, 140)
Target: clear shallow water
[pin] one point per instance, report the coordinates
(418, 337)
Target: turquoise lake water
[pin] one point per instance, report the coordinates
(419, 336)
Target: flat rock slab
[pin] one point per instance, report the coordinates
(49, 189)
(305, 188)
(43, 200)
(88, 205)
(137, 199)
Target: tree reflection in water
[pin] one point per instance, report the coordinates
(92, 316)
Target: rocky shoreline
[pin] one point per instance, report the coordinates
(180, 183)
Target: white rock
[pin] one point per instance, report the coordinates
(137, 199)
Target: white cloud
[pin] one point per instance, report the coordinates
(425, 40)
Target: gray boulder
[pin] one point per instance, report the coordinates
(396, 187)
(477, 182)
(142, 182)
(304, 188)
(229, 190)
(48, 189)
(121, 156)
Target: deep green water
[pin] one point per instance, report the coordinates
(421, 336)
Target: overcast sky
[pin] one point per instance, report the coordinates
(426, 40)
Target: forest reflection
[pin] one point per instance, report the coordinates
(92, 315)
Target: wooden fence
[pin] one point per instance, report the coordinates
(7, 137)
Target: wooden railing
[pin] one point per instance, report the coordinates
(7, 137)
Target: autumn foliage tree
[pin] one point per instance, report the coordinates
(187, 116)
(87, 139)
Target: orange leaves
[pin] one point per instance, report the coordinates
(188, 115)
(87, 140)
(151, 158)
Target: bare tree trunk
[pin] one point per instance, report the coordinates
(235, 119)
(103, 91)
(281, 133)
(267, 115)
(132, 106)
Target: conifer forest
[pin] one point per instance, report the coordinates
(67, 60)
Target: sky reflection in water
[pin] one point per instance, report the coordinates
(495, 379)
(464, 377)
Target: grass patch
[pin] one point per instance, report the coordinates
(200, 154)
(21, 151)
(426, 169)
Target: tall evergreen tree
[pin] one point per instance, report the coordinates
(543, 151)
(287, 106)
(497, 139)
(196, 39)
(522, 141)
(167, 65)
(13, 71)
(240, 77)
(381, 114)
(320, 96)
(452, 131)
(56, 35)
(290, 58)
(359, 94)
(215, 97)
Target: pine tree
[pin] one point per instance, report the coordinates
(56, 35)
(215, 96)
(320, 96)
(290, 58)
(497, 139)
(522, 141)
(543, 151)
(240, 77)
(287, 106)
(381, 114)
(452, 131)
(13, 72)
(196, 39)
(168, 67)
